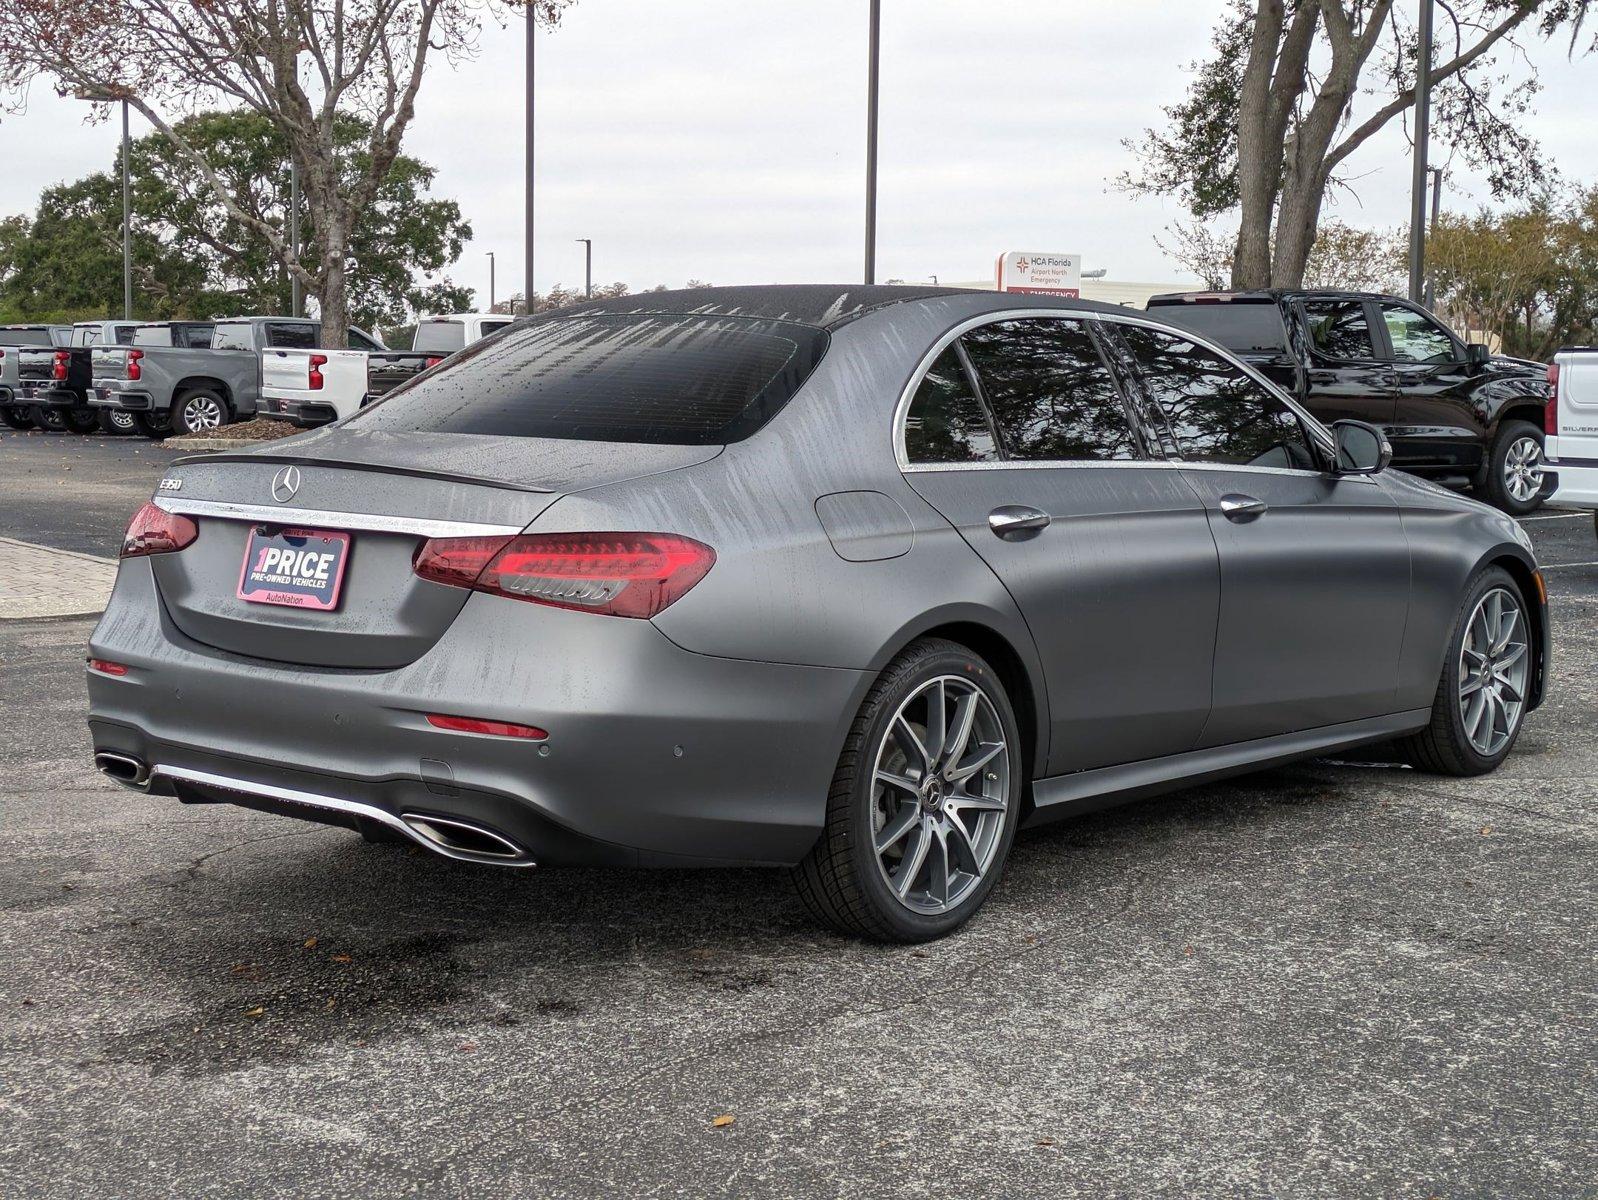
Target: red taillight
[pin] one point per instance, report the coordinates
(155, 531)
(134, 369)
(431, 361)
(318, 361)
(1551, 409)
(491, 728)
(106, 667)
(619, 574)
(58, 367)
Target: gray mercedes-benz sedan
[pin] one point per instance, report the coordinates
(853, 580)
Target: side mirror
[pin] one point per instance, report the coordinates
(1361, 449)
(1477, 356)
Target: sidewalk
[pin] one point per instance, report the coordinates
(41, 581)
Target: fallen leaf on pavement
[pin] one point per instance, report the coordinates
(341, 958)
(310, 943)
(723, 1121)
(256, 1012)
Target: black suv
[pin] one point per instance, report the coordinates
(1454, 412)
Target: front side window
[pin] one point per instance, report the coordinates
(1049, 391)
(1414, 337)
(1218, 412)
(677, 379)
(1339, 329)
(945, 422)
(360, 341)
(86, 335)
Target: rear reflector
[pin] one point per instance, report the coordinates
(106, 667)
(491, 728)
(1551, 409)
(155, 531)
(619, 574)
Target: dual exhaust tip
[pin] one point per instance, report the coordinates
(449, 837)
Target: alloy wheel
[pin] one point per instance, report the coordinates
(1494, 664)
(940, 788)
(202, 412)
(1523, 468)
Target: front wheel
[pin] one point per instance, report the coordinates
(1515, 468)
(924, 803)
(50, 418)
(1487, 676)
(199, 411)
(156, 425)
(117, 421)
(16, 418)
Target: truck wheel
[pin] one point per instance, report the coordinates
(199, 411)
(1515, 469)
(117, 422)
(82, 420)
(154, 425)
(49, 418)
(16, 418)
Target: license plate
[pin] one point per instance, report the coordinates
(301, 568)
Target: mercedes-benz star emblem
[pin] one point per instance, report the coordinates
(285, 483)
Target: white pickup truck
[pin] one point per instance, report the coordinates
(1571, 428)
(313, 387)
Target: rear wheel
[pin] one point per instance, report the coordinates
(117, 421)
(83, 420)
(924, 803)
(16, 418)
(199, 411)
(1515, 468)
(50, 418)
(1481, 697)
(155, 425)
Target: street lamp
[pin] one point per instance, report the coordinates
(490, 254)
(527, 233)
(127, 202)
(1423, 104)
(588, 267)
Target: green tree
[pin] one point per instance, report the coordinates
(1270, 116)
(194, 257)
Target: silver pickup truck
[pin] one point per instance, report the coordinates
(12, 339)
(180, 388)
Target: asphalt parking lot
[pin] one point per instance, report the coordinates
(1329, 980)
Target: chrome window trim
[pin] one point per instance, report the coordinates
(1317, 432)
(272, 514)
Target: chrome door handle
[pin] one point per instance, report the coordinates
(1238, 507)
(1014, 522)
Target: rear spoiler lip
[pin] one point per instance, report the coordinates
(376, 468)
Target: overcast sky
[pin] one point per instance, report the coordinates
(724, 140)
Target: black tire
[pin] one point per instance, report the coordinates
(200, 410)
(841, 881)
(49, 418)
(83, 420)
(1444, 747)
(1496, 489)
(154, 425)
(16, 418)
(117, 422)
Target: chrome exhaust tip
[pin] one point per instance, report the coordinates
(124, 769)
(463, 839)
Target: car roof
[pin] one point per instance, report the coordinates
(1269, 295)
(823, 305)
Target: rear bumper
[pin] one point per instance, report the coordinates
(113, 393)
(1578, 482)
(45, 394)
(305, 414)
(655, 756)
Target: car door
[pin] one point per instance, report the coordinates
(1314, 566)
(1432, 382)
(1345, 377)
(1021, 437)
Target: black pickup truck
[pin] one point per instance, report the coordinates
(1454, 412)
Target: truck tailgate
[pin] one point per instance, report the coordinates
(387, 370)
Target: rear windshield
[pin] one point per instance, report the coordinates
(448, 336)
(1247, 328)
(676, 380)
(25, 337)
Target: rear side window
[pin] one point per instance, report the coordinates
(1050, 393)
(1218, 412)
(945, 422)
(1339, 329)
(440, 336)
(195, 337)
(232, 337)
(680, 380)
(123, 334)
(152, 335)
(1239, 326)
(489, 327)
(86, 335)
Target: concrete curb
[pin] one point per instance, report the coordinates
(209, 444)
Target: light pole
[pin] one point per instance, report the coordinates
(490, 254)
(127, 222)
(296, 301)
(1423, 102)
(1437, 207)
(527, 233)
(873, 52)
(588, 267)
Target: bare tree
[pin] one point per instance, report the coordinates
(1269, 118)
(299, 63)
